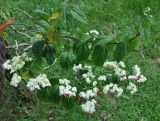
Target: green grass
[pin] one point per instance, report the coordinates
(103, 16)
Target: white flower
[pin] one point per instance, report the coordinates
(119, 72)
(16, 63)
(89, 106)
(110, 65)
(74, 89)
(7, 65)
(89, 68)
(40, 80)
(121, 64)
(132, 87)
(76, 68)
(94, 83)
(136, 70)
(132, 77)
(43, 80)
(119, 91)
(94, 32)
(64, 81)
(102, 78)
(65, 89)
(88, 81)
(82, 94)
(84, 75)
(141, 79)
(15, 80)
(106, 89)
(33, 85)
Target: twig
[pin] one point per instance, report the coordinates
(24, 12)
(51, 65)
(137, 35)
(27, 48)
(19, 32)
(16, 46)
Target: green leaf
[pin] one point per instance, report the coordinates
(83, 40)
(37, 48)
(67, 59)
(49, 53)
(99, 55)
(132, 45)
(41, 14)
(120, 51)
(82, 53)
(43, 24)
(79, 15)
(106, 40)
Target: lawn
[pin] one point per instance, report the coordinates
(106, 16)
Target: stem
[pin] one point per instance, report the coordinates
(19, 32)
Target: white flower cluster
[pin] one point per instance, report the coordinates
(87, 76)
(137, 75)
(65, 89)
(93, 32)
(76, 68)
(89, 106)
(118, 69)
(132, 87)
(39, 81)
(15, 80)
(89, 94)
(113, 88)
(102, 78)
(16, 63)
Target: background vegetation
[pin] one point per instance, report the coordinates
(106, 16)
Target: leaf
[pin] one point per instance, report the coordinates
(120, 51)
(43, 24)
(79, 15)
(54, 35)
(67, 59)
(82, 52)
(106, 40)
(41, 14)
(5, 24)
(49, 53)
(83, 40)
(132, 45)
(55, 15)
(99, 55)
(37, 48)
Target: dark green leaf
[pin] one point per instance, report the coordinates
(37, 48)
(120, 51)
(82, 53)
(49, 53)
(67, 59)
(99, 55)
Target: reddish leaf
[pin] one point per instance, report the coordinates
(5, 24)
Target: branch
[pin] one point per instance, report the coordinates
(133, 38)
(15, 46)
(19, 32)
(24, 12)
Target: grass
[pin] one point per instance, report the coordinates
(103, 15)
